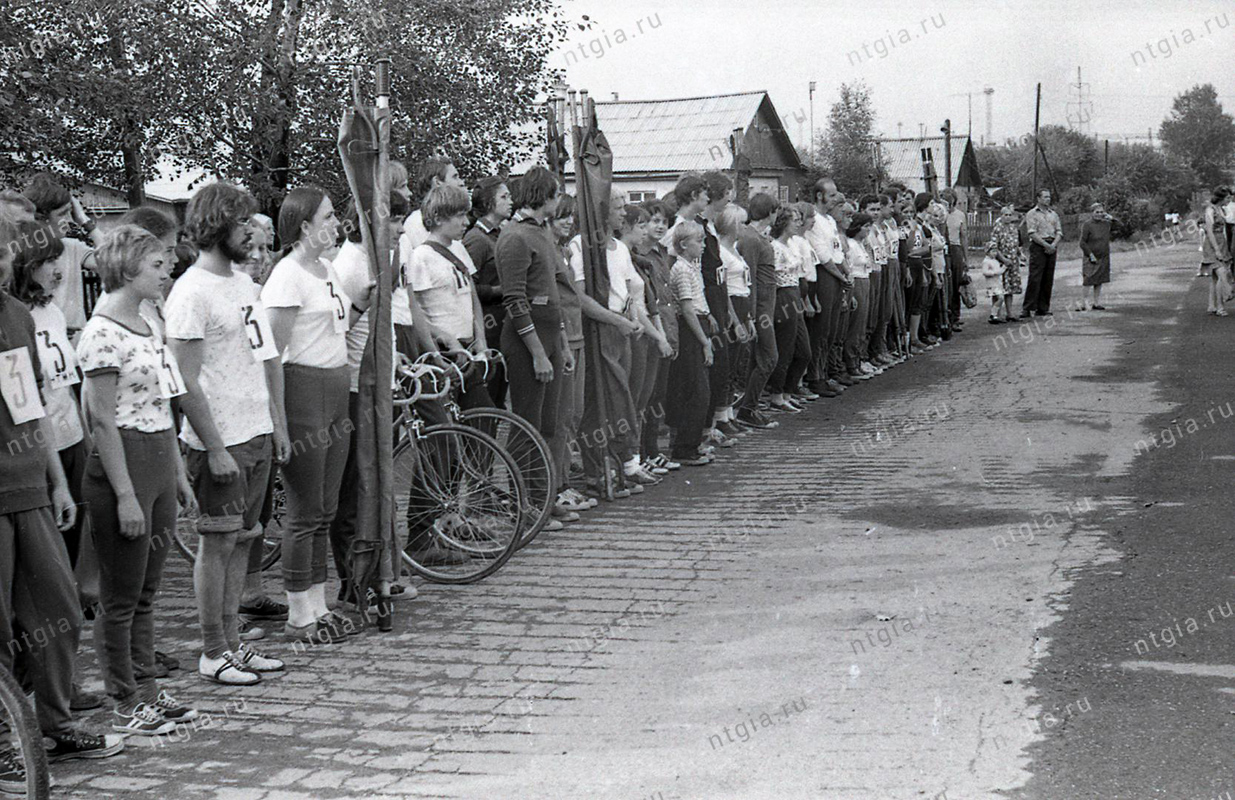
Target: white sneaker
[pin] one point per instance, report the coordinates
(227, 670)
(254, 661)
(866, 368)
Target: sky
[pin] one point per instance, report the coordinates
(919, 59)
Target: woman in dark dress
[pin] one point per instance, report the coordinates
(1095, 256)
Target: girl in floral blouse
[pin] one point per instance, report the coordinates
(134, 476)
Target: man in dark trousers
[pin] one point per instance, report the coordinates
(1045, 233)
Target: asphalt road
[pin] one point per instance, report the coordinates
(931, 587)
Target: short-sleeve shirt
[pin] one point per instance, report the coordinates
(319, 332)
(737, 272)
(137, 358)
(859, 262)
(226, 313)
(788, 265)
(445, 292)
(352, 266)
(806, 253)
(621, 270)
(61, 372)
(69, 295)
(824, 239)
(686, 283)
(1045, 223)
(23, 469)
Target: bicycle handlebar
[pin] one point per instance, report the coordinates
(413, 373)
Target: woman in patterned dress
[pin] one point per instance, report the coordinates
(1005, 246)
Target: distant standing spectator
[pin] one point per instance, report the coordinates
(1096, 255)
(1045, 233)
(1004, 245)
(1215, 252)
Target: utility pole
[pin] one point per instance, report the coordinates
(1037, 116)
(947, 152)
(811, 149)
(899, 133)
(990, 132)
(1106, 156)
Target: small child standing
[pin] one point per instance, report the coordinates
(688, 392)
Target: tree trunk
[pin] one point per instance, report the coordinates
(272, 124)
(134, 184)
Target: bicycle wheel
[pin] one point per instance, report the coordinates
(20, 737)
(531, 453)
(459, 503)
(186, 537)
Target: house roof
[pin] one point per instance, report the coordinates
(902, 158)
(680, 134)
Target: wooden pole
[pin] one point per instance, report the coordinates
(1037, 116)
(947, 152)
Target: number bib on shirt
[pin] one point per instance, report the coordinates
(340, 312)
(59, 360)
(257, 328)
(19, 387)
(171, 384)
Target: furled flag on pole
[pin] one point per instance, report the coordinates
(364, 146)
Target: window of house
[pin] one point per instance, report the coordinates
(639, 197)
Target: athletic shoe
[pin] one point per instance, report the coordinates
(170, 663)
(12, 773)
(845, 380)
(229, 671)
(662, 460)
(568, 503)
(719, 439)
(563, 514)
(860, 376)
(835, 385)
(175, 711)
(640, 476)
(253, 661)
(264, 607)
(728, 428)
(578, 497)
(648, 466)
(866, 368)
(701, 461)
(785, 406)
(143, 720)
(75, 744)
(250, 632)
(756, 420)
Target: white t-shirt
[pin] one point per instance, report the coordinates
(227, 314)
(147, 376)
(61, 372)
(824, 238)
(576, 258)
(443, 291)
(878, 246)
(810, 261)
(69, 295)
(352, 267)
(319, 333)
(1228, 213)
(737, 272)
(414, 235)
(621, 270)
(859, 261)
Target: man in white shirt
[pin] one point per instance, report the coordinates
(220, 335)
(831, 288)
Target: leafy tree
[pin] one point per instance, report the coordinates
(252, 89)
(1201, 134)
(845, 145)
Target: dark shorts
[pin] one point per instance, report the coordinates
(237, 505)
